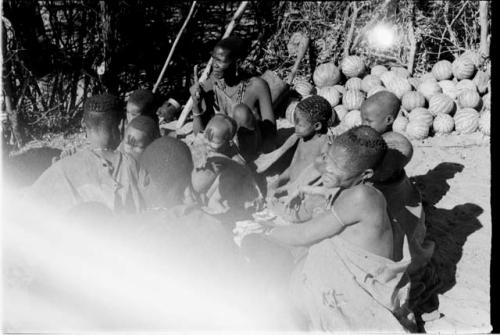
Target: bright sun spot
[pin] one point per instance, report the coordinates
(382, 36)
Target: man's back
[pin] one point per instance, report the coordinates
(88, 176)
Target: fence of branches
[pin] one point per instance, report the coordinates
(57, 52)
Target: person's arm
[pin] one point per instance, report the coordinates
(352, 206)
(263, 93)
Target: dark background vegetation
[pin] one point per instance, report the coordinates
(52, 49)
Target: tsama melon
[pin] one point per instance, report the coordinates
(330, 94)
(352, 119)
(290, 111)
(376, 89)
(304, 88)
(485, 122)
(400, 71)
(341, 111)
(449, 88)
(369, 82)
(441, 104)
(417, 130)
(400, 123)
(377, 70)
(466, 120)
(481, 81)
(463, 68)
(429, 88)
(443, 124)
(421, 115)
(442, 70)
(326, 74)
(353, 83)
(412, 100)
(353, 66)
(470, 99)
(353, 99)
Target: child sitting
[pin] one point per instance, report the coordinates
(141, 102)
(379, 111)
(219, 158)
(140, 132)
(98, 173)
(348, 280)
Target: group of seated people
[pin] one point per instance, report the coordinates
(355, 227)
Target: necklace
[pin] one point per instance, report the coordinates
(224, 87)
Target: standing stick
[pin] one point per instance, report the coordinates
(204, 76)
(162, 73)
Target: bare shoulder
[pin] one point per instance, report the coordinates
(362, 195)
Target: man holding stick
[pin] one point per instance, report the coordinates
(227, 88)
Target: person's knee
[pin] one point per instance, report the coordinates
(244, 117)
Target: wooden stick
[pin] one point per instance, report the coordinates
(204, 76)
(172, 49)
(300, 55)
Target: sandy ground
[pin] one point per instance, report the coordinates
(453, 174)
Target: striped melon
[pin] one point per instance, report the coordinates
(488, 69)
(304, 88)
(341, 89)
(400, 71)
(466, 120)
(353, 99)
(429, 88)
(463, 68)
(470, 99)
(427, 76)
(353, 83)
(485, 122)
(387, 77)
(487, 101)
(441, 104)
(398, 86)
(449, 88)
(399, 124)
(417, 130)
(377, 70)
(481, 81)
(443, 124)
(330, 94)
(414, 82)
(421, 115)
(376, 89)
(412, 100)
(352, 119)
(290, 111)
(326, 74)
(369, 82)
(353, 66)
(442, 70)
(341, 111)
(465, 84)
(475, 57)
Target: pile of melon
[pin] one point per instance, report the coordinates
(453, 97)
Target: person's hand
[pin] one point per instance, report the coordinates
(294, 199)
(197, 126)
(195, 89)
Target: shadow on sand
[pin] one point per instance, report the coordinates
(448, 228)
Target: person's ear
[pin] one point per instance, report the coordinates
(367, 174)
(318, 126)
(389, 119)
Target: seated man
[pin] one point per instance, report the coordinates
(98, 173)
(226, 88)
(349, 280)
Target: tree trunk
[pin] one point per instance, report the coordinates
(13, 113)
(483, 22)
(109, 78)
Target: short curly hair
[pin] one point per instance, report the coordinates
(316, 109)
(365, 146)
(102, 111)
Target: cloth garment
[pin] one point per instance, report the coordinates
(339, 286)
(87, 177)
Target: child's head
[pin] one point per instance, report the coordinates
(219, 133)
(169, 164)
(140, 132)
(101, 117)
(380, 110)
(399, 153)
(311, 116)
(140, 102)
(352, 157)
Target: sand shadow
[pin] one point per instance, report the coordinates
(448, 229)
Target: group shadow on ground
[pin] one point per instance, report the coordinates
(448, 228)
